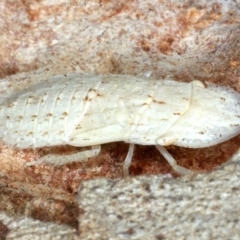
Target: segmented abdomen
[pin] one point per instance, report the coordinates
(47, 113)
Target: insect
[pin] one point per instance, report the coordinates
(89, 110)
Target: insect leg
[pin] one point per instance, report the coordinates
(172, 162)
(128, 160)
(56, 159)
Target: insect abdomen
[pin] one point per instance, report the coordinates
(46, 114)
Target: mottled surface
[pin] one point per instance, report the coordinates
(204, 206)
(184, 39)
(180, 38)
(198, 207)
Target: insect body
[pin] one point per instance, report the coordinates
(89, 110)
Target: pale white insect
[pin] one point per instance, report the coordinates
(88, 110)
